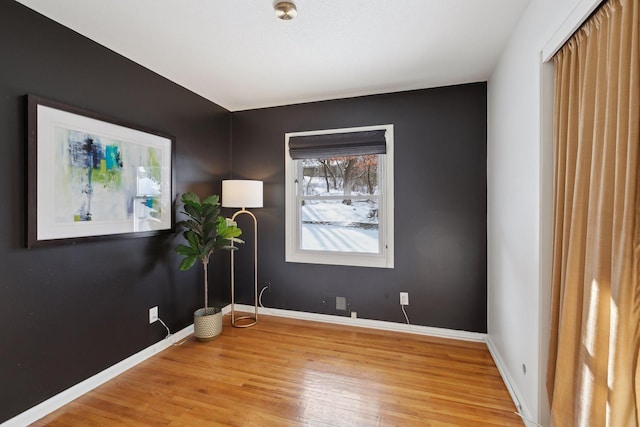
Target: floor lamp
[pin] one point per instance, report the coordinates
(241, 193)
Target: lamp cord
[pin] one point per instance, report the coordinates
(405, 314)
(169, 333)
(260, 296)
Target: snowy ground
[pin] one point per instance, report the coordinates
(333, 226)
(339, 239)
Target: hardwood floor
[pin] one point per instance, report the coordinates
(285, 372)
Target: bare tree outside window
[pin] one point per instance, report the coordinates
(340, 197)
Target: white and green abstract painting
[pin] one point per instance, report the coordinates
(105, 179)
(97, 178)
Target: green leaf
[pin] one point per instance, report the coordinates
(193, 239)
(232, 232)
(188, 262)
(227, 228)
(211, 200)
(223, 243)
(223, 223)
(208, 230)
(190, 198)
(193, 225)
(209, 213)
(193, 211)
(234, 240)
(186, 250)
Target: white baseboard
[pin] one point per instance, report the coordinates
(73, 392)
(522, 408)
(365, 323)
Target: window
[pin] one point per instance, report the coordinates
(339, 196)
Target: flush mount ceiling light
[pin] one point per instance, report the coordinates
(285, 10)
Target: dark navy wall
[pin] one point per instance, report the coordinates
(440, 207)
(69, 312)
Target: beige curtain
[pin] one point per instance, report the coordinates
(593, 377)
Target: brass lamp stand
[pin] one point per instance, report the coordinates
(254, 318)
(239, 193)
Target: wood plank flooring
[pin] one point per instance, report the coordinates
(285, 372)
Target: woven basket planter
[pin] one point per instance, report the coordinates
(207, 325)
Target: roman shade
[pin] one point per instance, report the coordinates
(337, 144)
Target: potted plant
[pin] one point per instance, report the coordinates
(205, 232)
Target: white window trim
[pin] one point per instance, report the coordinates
(293, 254)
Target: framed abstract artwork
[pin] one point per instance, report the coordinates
(91, 177)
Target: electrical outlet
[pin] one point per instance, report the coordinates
(404, 298)
(354, 314)
(153, 314)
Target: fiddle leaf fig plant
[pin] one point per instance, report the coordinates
(205, 232)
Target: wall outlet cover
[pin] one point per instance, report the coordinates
(404, 298)
(153, 314)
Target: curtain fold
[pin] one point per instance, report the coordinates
(593, 377)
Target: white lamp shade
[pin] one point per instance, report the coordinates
(241, 193)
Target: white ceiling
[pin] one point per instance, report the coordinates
(237, 54)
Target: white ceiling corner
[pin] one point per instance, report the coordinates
(240, 56)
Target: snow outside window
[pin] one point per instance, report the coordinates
(339, 208)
